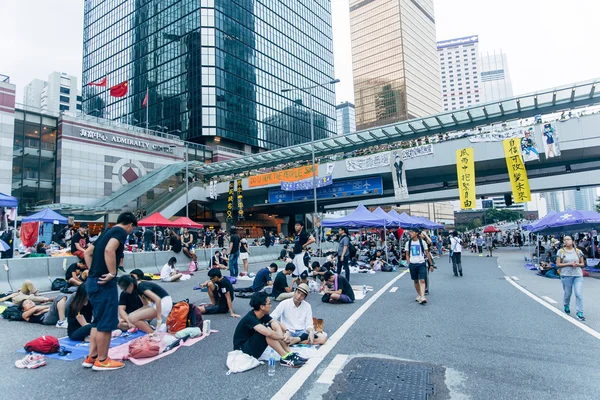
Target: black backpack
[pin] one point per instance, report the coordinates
(351, 249)
(12, 313)
(59, 284)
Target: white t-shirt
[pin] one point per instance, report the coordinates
(165, 272)
(456, 245)
(413, 249)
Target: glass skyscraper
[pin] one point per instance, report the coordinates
(213, 69)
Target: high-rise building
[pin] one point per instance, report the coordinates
(459, 69)
(584, 199)
(213, 69)
(346, 118)
(495, 77)
(7, 123)
(394, 59)
(59, 93)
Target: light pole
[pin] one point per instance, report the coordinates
(187, 181)
(309, 91)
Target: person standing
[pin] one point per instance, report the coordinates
(220, 238)
(456, 249)
(344, 253)
(103, 257)
(148, 239)
(301, 241)
(416, 250)
(489, 242)
(479, 243)
(234, 251)
(569, 261)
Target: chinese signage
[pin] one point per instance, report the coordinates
(230, 202)
(418, 151)
(465, 170)
(109, 137)
(306, 184)
(240, 200)
(356, 187)
(368, 162)
(288, 175)
(516, 170)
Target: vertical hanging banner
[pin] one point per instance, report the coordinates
(230, 202)
(399, 176)
(240, 200)
(465, 170)
(516, 171)
(550, 136)
(211, 189)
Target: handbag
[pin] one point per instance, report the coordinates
(238, 361)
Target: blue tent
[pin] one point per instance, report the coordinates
(8, 201)
(404, 220)
(359, 218)
(46, 215)
(428, 224)
(390, 221)
(532, 226)
(569, 221)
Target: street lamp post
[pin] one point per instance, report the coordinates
(187, 180)
(309, 91)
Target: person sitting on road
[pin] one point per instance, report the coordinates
(169, 273)
(80, 312)
(139, 275)
(337, 289)
(160, 303)
(257, 330)
(281, 290)
(220, 292)
(217, 261)
(319, 270)
(285, 253)
(28, 291)
(53, 314)
(263, 278)
(129, 302)
(76, 274)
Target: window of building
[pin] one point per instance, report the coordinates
(63, 107)
(65, 90)
(79, 107)
(79, 98)
(64, 99)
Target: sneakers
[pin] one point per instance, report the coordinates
(242, 273)
(292, 361)
(62, 324)
(107, 365)
(31, 361)
(299, 358)
(480, 255)
(423, 300)
(567, 310)
(580, 316)
(460, 272)
(418, 299)
(88, 362)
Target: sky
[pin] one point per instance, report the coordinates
(548, 42)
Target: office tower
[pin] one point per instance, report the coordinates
(346, 118)
(59, 93)
(394, 59)
(584, 199)
(495, 77)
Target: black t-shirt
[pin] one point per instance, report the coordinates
(148, 235)
(154, 288)
(243, 246)
(279, 284)
(76, 238)
(187, 239)
(72, 268)
(299, 241)
(245, 328)
(221, 288)
(345, 286)
(175, 244)
(131, 301)
(86, 311)
(283, 254)
(235, 241)
(98, 267)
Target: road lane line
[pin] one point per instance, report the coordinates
(514, 278)
(554, 309)
(549, 300)
(393, 290)
(289, 389)
(334, 366)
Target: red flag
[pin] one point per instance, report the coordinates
(145, 102)
(101, 82)
(119, 90)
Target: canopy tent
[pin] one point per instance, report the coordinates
(568, 221)
(390, 221)
(156, 219)
(405, 220)
(530, 227)
(185, 222)
(359, 218)
(47, 215)
(426, 223)
(491, 229)
(8, 201)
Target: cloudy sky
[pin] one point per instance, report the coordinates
(548, 42)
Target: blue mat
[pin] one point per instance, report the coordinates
(80, 350)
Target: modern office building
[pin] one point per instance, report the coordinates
(346, 118)
(213, 69)
(59, 93)
(7, 128)
(584, 199)
(459, 70)
(394, 59)
(495, 77)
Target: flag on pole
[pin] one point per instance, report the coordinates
(119, 90)
(101, 82)
(145, 102)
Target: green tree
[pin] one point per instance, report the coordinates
(476, 223)
(496, 215)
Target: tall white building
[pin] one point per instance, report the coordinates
(495, 77)
(59, 93)
(460, 69)
(345, 118)
(582, 200)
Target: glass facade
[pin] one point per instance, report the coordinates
(346, 118)
(394, 58)
(212, 68)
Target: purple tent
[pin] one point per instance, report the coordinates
(405, 221)
(569, 221)
(359, 218)
(532, 226)
(389, 220)
(426, 223)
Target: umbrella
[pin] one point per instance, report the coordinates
(185, 222)
(491, 229)
(4, 246)
(156, 219)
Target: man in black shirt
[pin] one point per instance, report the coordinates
(337, 289)
(281, 291)
(220, 291)
(75, 273)
(103, 257)
(80, 241)
(175, 241)
(234, 251)
(257, 330)
(301, 241)
(148, 239)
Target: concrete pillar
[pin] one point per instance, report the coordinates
(106, 221)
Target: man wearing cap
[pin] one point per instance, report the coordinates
(295, 316)
(80, 241)
(302, 240)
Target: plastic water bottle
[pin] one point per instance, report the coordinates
(272, 363)
(364, 290)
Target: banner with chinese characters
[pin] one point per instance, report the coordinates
(240, 200)
(212, 190)
(287, 175)
(230, 202)
(516, 170)
(465, 170)
(306, 184)
(368, 162)
(418, 151)
(399, 177)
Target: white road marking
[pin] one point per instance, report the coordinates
(554, 309)
(549, 300)
(334, 366)
(393, 290)
(514, 278)
(294, 384)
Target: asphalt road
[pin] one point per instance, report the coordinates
(490, 341)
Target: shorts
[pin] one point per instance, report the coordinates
(302, 334)
(255, 346)
(218, 309)
(243, 256)
(51, 317)
(299, 263)
(418, 271)
(105, 302)
(166, 305)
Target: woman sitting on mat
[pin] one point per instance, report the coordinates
(168, 272)
(80, 313)
(159, 303)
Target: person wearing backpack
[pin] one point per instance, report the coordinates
(344, 253)
(569, 261)
(416, 251)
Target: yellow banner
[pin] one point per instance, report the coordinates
(287, 175)
(465, 170)
(516, 170)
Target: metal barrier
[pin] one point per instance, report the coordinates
(4, 281)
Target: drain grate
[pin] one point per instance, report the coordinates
(372, 378)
